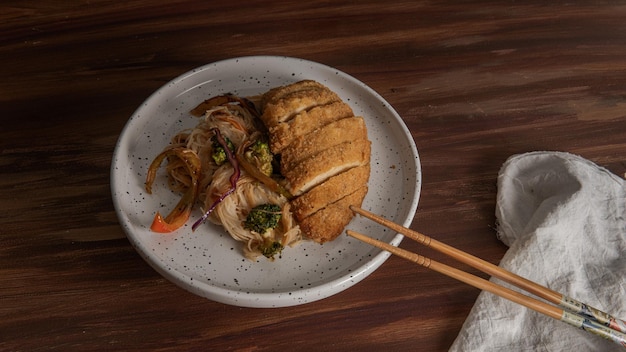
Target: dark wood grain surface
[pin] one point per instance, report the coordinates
(475, 82)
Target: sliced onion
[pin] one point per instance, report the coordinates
(179, 215)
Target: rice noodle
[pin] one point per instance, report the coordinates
(237, 124)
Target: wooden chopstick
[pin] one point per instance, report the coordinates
(552, 296)
(513, 296)
(565, 302)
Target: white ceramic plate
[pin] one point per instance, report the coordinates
(208, 262)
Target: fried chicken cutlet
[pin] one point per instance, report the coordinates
(283, 134)
(324, 152)
(283, 107)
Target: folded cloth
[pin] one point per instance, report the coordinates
(563, 219)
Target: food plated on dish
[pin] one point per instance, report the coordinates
(208, 261)
(272, 169)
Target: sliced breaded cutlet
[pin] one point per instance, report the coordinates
(275, 94)
(337, 132)
(330, 191)
(283, 134)
(292, 103)
(318, 168)
(328, 223)
(324, 153)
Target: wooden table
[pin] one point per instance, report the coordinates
(475, 82)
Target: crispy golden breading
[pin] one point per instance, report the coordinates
(330, 191)
(341, 131)
(293, 103)
(328, 223)
(318, 168)
(275, 94)
(324, 153)
(305, 122)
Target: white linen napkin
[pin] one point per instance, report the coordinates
(563, 219)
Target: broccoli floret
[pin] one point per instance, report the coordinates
(259, 154)
(262, 218)
(271, 248)
(219, 154)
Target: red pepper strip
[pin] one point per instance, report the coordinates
(177, 218)
(179, 215)
(233, 178)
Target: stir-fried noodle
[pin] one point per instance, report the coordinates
(234, 120)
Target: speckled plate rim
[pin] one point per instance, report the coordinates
(204, 264)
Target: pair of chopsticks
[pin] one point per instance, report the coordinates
(568, 310)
